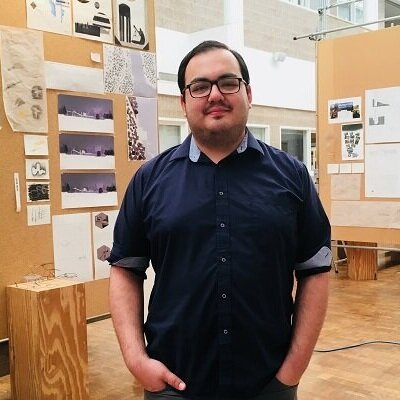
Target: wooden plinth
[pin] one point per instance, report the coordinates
(362, 264)
(48, 340)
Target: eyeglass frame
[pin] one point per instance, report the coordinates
(214, 82)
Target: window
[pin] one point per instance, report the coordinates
(353, 12)
(171, 132)
(260, 132)
(298, 142)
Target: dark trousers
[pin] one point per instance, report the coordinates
(274, 390)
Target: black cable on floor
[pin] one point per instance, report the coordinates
(357, 345)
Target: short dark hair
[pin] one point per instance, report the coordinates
(204, 47)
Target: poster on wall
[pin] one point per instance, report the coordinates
(72, 246)
(129, 72)
(352, 142)
(382, 116)
(79, 151)
(130, 21)
(93, 20)
(88, 190)
(382, 166)
(37, 191)
(141, 114)
(37, 169)
(23, 81)
(344, 110)
(85, 114)
(49, 15)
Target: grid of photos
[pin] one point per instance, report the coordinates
(86, 146)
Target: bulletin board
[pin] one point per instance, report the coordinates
(358, 93)
(24, 247)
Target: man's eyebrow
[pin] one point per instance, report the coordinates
(204, 79)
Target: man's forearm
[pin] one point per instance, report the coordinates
(126, 305)
(310, 309)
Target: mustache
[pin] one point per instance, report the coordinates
(213, 106)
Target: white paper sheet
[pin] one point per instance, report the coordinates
(73, 78)
(332, 169)
(39, 215)
(357, 168)
(36, 145)
(382, 116)
(382, 170)
(102, 227)
(49, 15)
(24, 87)
(72, 243)
(346, 187)
(93, 20)
(369, 214)
(345, 168)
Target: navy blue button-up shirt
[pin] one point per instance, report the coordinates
(224, 240)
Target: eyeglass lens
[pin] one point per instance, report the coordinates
(225, 86)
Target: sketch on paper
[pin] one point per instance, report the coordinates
(85, 114)
(36, 145)
(38, 214)
(352, 142)
(86, 151)
(24, 86)
(382, 115)
(102, 227)
(141, 114)
(72, 245)
(88, 190)
(129, 72)
(49, 15)
(37, 169)
(344, 110)
(93, 20)
(37, 191)
(130, 21)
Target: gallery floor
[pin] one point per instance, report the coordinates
(359, 311)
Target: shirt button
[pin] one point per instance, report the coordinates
(226, 331)
(223, 295)
(222, 225)
(221, 193)
(223, 259)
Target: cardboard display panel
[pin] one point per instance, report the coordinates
(358, 93)
(26, 248)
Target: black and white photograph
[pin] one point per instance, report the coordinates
(85, 114)
(37, 169)
(93, 20)
(88, 190)
(79, 151)
(37, 191)
(130, 21)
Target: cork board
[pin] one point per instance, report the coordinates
(348, 68)
(24, 247)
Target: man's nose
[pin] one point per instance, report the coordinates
(215, 93)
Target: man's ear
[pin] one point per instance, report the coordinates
(183, 104)
(249, 95)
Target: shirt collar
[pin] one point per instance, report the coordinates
(189, 147)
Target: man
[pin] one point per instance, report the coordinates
(225, 221)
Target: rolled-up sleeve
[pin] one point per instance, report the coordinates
(130, 247)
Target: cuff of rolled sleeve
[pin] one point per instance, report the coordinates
(320, 262)
(137, 265)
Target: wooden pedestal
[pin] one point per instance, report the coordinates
(48, 340)
(362, 264)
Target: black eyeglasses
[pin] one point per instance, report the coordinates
(202, 88)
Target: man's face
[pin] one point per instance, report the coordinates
(217, 114)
